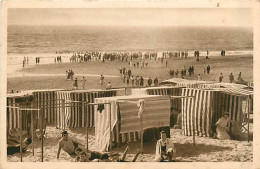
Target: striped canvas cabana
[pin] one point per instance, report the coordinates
(124, 118)
(162, 90)
(178, 82)
(76, 112)
(208, 108)
(12, 114)
(46, 101)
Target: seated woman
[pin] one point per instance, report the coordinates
(222, 128)
(13, 146)
(165, 149)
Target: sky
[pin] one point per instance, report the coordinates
(235, 17)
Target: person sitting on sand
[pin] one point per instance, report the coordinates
(164, 149)
(222, 128)
(115, 157)
(67, 144)
(77, 152)
(84, 157)
(13, 146)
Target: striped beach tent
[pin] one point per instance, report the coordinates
(12, 114)
(207, 107)
(162, 90)
(46, 100)
(77, 112)
(124, 118)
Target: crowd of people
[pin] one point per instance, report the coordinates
(183, 72)
(69, 74)
(135, 80)
(57, 59)
(37, 60)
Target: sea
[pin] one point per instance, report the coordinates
(48, 42)
(52, 39)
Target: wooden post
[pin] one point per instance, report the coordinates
(117, 127)
(141, 132)
(42, 117)
(63, 112)
(21, 129)
(194, 120)
(86, 106)
(110, 128)
(248, 114)
(32, 128)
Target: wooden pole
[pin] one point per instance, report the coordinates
(21, 129)
(87, 124)
(63, 112)
(194, 121)
(110, 128)
(141, 132)
(42, 117)
(248, 111)
(32, 128)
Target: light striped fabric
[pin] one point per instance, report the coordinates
(61, 116)
(156, 114)
(12, 114)
(162, 90)
(170, 91)
(125, 123)
(209, 106)
(209, 86)
(237, 91)
(232, 85)
(139, 91)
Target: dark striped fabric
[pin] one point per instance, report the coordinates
(76, 114)
(46, 101)
(207, 108)
(13, 115)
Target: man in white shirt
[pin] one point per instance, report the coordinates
(165, 149)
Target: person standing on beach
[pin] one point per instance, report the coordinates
(101, 80)
(71, 74)
(83, 82)
(199, 77)
(132, 80)
(75, 84)
(156, 81)
(220, 77)
(109, 86)
(149, 82)
(231, 78)
(141, 81)
(208, 69)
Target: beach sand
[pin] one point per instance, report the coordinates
(205, 149)
(52, 76)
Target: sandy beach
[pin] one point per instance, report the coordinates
(205, 149)
(48, 76)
